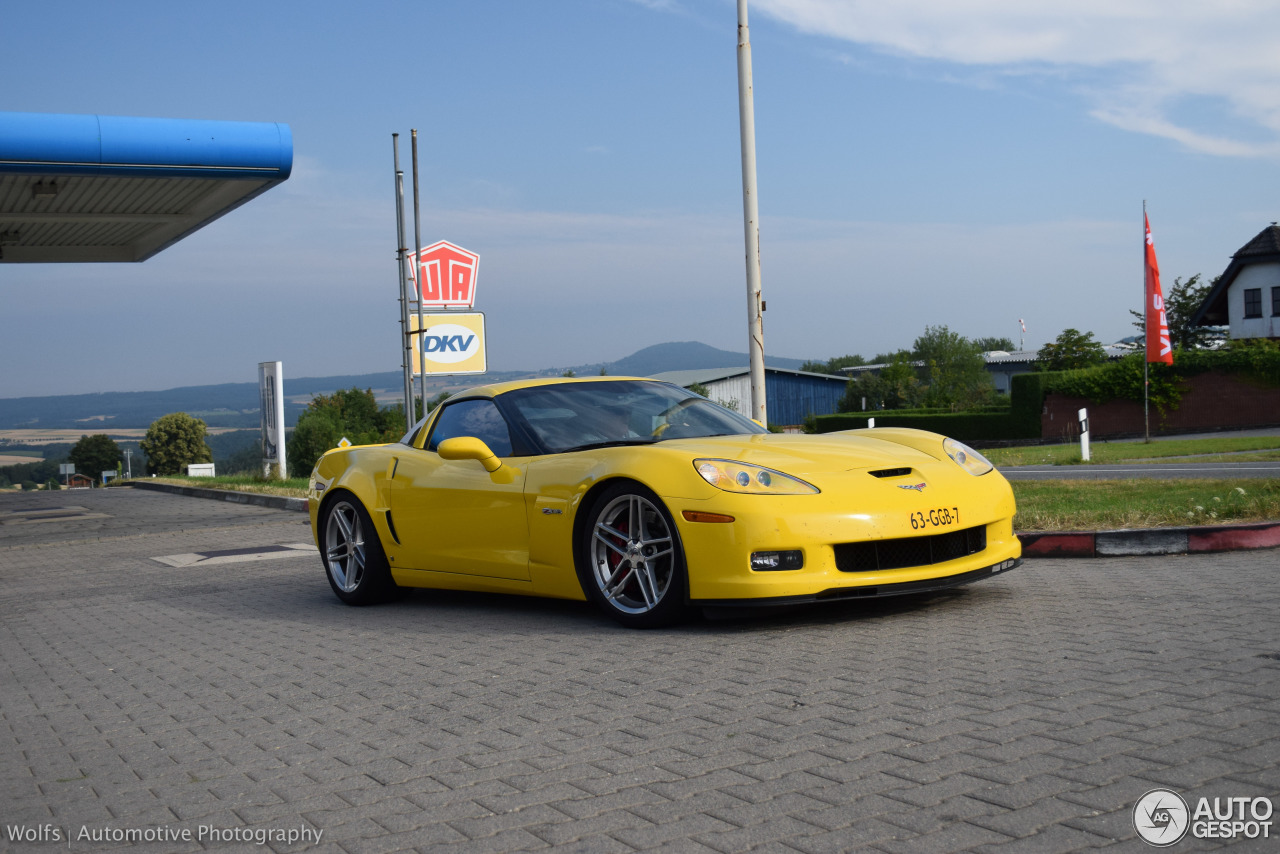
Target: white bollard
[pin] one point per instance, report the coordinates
(1084, 434)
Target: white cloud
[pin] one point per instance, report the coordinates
(1154, 56)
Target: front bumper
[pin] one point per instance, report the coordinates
(831, 530)
(871, 591)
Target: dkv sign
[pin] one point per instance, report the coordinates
(453, 343)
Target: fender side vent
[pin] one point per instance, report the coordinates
(391, 526)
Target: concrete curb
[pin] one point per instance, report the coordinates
(1151, 541)
(1145, 541)
(279, 502)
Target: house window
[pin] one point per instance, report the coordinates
(1253, 302)
(1275, 302)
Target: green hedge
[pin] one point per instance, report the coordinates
(1122, 379)
(1258, 360)
(1027, 393)
(966, 426)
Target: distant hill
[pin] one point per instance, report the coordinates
(236, 404)
(687, 356)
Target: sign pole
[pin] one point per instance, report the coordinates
(417, 249)
(751, 218)
(406, 349)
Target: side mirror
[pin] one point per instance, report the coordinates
(469, 448)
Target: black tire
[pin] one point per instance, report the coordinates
(354, 561)
(631, 563)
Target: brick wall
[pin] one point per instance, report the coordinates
(1210, 401)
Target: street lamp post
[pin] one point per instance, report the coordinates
(751, 219)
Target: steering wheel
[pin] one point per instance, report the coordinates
(672, 410)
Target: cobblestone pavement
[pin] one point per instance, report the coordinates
(227, 688)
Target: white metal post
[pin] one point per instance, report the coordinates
(751, 219)
(1083, 415)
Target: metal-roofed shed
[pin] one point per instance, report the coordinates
(792, 395)
(111, 188)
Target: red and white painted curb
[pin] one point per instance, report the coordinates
(1151, 541)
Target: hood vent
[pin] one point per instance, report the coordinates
(902, 472)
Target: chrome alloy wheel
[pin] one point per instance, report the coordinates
(632, 556)
(344, 549)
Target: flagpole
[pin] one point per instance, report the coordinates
(1146, 331)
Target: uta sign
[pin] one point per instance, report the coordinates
(445, 275)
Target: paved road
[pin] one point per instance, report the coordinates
(168, 663)
(1161, 471)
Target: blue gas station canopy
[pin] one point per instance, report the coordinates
(113, 188)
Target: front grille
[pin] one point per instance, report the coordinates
(910, 551)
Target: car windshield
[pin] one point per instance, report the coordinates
(576, 416)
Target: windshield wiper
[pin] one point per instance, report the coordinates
(612, 443)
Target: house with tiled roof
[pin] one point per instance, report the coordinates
(1246, 297)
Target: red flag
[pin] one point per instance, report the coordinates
(1158, 347)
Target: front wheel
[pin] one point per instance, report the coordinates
(634, 564)
(354, 562)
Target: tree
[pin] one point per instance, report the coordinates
(315, 433)
(833, 365)
(1180, 303)
(1070, 350)
(895, 386)
(986, 345)
(349, 413)
(437, 400)
(699, 388)
(957, 374)
(93, 455)
(173, 442)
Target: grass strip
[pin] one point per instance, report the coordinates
(294, 487)
(1118, 452)
(1089, 505)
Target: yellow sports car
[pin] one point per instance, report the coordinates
(648, 500)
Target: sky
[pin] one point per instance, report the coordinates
(966, 163)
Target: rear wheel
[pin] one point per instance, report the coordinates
(634, 564)
(354, 562)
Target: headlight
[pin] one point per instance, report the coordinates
(738, 477)
(967, 458)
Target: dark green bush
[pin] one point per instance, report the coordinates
(978, 425)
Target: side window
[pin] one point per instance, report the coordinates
(478, 418)
(1253, 302)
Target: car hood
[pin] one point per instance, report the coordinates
(804, 454)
